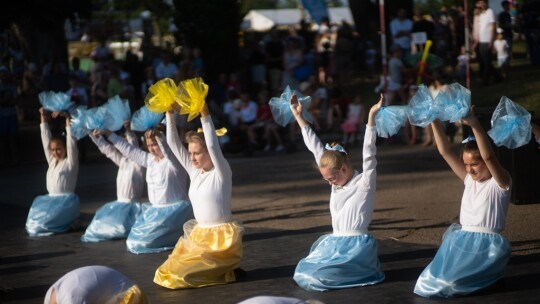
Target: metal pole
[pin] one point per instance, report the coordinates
(467, 44)
(383, 44)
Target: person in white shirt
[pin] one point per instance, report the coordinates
(484, 35)
(401, 28)
(56, 211)
(348, 256)
(160, 224)
(94, 285)
(115, 219)
(473, 254)
(211, 248)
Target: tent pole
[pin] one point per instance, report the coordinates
(383, 44)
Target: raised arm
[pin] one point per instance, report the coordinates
(71, 142)
(501, 175)
(137, 155)
(130, 136)
(45, 134)
(167, 153)
(445, 149)
(175, 144)
(212, 143)
(370, 150)
(105, 147)
(312, 142)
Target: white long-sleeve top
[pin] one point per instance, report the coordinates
(166, 179)
(484, 204)
(62, 174)
(130, 177)
(351, 206)
(210, 191)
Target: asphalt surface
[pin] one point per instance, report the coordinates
(283, 203)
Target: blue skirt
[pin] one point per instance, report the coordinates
(466, 262)
(112, 221)
(159, 228)
(52, 214)
(336, 262)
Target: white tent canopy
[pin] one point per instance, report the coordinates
(263, 20)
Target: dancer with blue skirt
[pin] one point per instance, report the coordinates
(56, 211)
(115, 219)
(160, 225)
(473, 254)
(347, 257)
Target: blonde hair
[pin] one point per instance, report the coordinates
(195, 137)
(333, 159)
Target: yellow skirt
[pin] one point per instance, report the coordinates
(203, 257)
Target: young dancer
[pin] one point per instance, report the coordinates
(56, 211)
(94, 284)
(160, 224)
(115, 219)
(473, 254)
(211, 247)
(347, 257)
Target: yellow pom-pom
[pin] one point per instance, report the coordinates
(191, 96)
(161, 96)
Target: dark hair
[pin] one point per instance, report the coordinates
(470, 147)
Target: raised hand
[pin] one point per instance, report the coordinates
(374, 109)
(296, 107)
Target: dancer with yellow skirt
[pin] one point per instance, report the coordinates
(211, 247)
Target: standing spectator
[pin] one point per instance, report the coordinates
(292, 59)
(485, 37)
(343, 53)
(98, 92)
(76, 71)
(401, 28)
(166, 68)
(531, 28)
(505, 23)
(257, 62)
(197, 65)
(114, 86)
(274, 61)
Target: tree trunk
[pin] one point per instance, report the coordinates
(42, 44)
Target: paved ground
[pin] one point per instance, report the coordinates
(283, 204)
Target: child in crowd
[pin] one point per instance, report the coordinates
(501, 48)
(354, 121)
